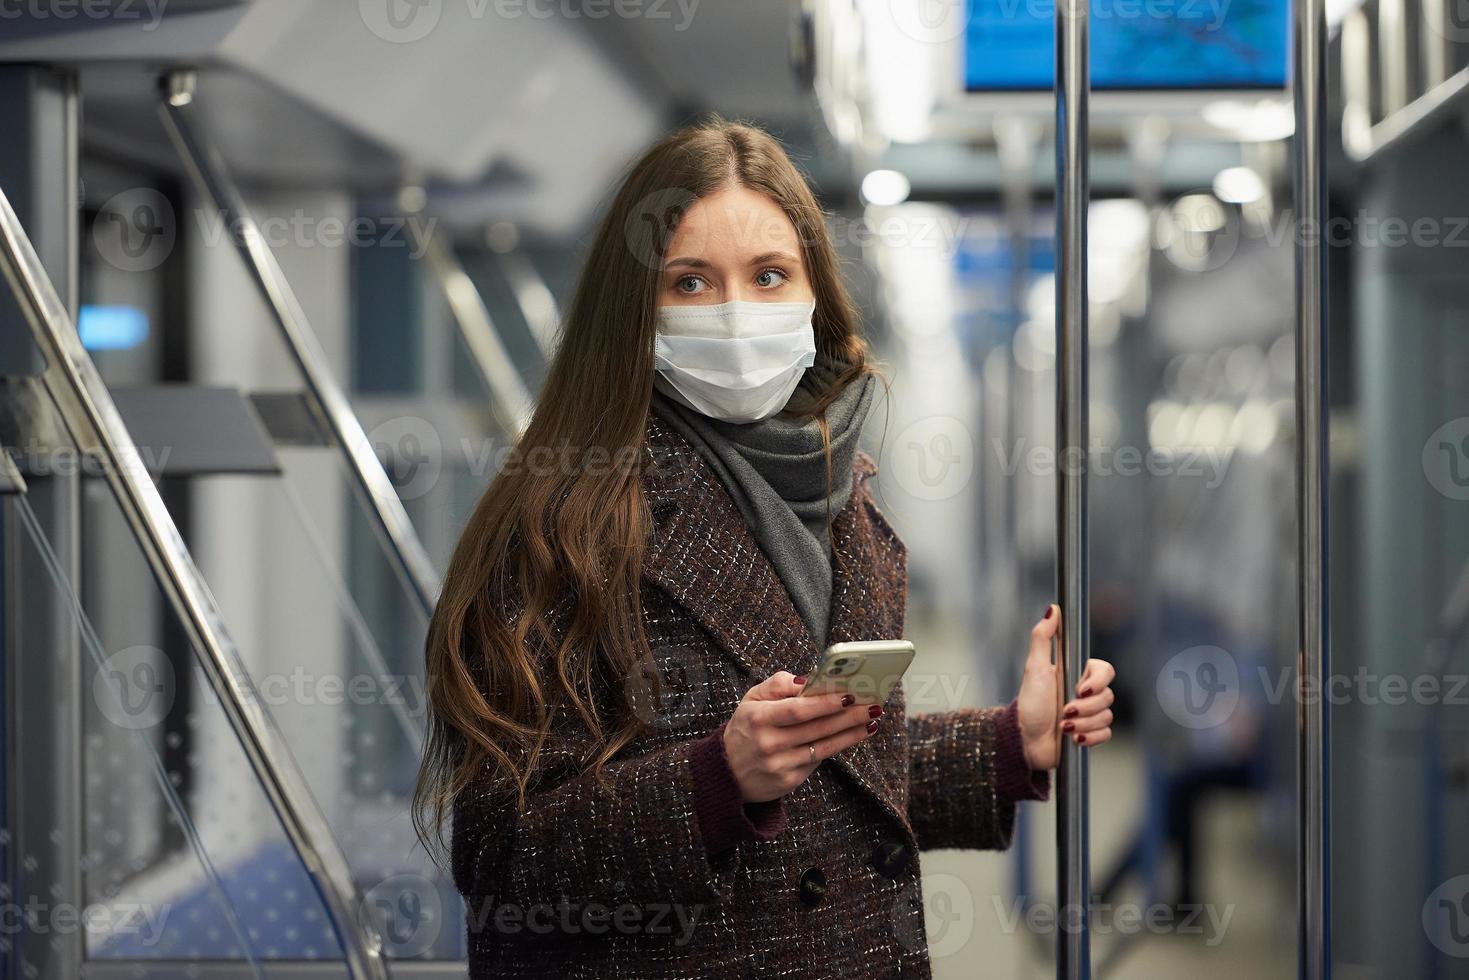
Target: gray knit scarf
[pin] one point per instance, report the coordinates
(775, 469)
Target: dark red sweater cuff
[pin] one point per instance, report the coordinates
(1014, 779)
(725, 819)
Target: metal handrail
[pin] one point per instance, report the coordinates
(1073, 88)
(534, 298)
(326, 395)
(87, 410)
(510, 399)
(1369, 143)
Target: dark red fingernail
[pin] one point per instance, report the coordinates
(1083, 692)
(848, 700)
(1068, 726)
(872, 726)
(1048, 613)
(1071, 713)
(801, 679)
(1081, 740)
(875, 711)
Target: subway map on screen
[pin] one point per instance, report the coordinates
(1135, 44)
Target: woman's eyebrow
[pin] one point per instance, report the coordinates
(688, 261)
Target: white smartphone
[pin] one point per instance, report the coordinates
(866, 669)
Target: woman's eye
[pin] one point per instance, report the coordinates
(770, 277)
(688, 284)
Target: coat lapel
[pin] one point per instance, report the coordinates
(869, 593)
(704, 557)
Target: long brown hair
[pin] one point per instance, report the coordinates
(497, 670)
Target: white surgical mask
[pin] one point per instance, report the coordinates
(737, 361)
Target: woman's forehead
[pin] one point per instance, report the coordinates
(734, 220)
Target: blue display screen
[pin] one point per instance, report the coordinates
(112, 327)
(1009, 45)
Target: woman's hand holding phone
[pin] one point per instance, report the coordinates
(776, 739)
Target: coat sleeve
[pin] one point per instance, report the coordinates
(966, 772)
(631, 838)
(725, 819)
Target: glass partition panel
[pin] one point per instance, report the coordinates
(334, 645)
(179, 857)
(1399, 698)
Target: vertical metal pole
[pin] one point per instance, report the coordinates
(1073, 84)
(1313, 839)
(44, 733)
(1433, 41)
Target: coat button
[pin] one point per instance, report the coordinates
(812, 889)
(891, 858)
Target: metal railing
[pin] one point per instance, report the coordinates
(325, 394)
(536, 302)
(92, 420)
(510, 399)
(1409, 79)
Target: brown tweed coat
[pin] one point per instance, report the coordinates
(613, 879)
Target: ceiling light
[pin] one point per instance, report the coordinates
(885, 187)
(1238, 185)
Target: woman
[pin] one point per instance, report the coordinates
(637, 790)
